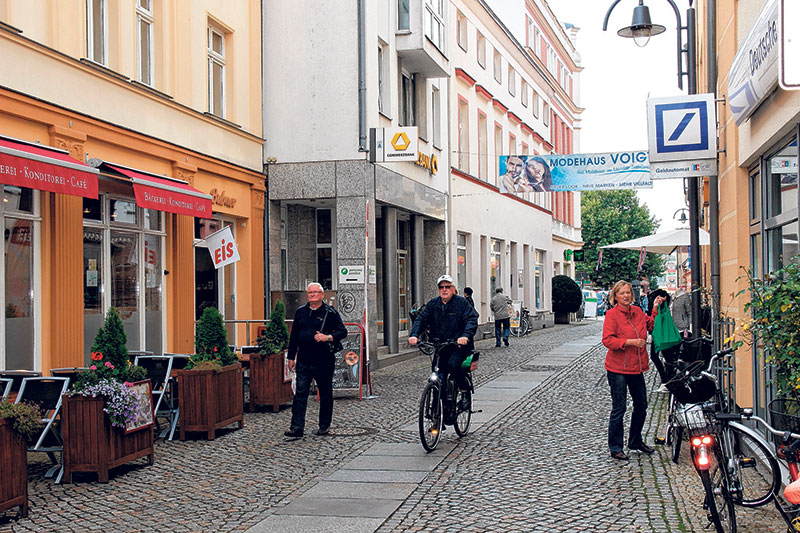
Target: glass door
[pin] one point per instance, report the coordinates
(402, 285)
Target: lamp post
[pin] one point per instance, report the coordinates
(640, 30)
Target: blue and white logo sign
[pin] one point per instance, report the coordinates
(682, 128)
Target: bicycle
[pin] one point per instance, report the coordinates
(436, 411)
(524, 323)
(424, 337)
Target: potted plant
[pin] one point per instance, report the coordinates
(19, 423)
(210, 387)
(774, 323)
(268, 379)
(567, 298)
(101, 413)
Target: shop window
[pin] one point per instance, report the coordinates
(782, 246)
(538, 287)
(781, 181)
(96, 30)
(92, 209)
(495, 264)
(216, 71)
(324, 248)
(93, 280)
(144, 35)
(461, 261)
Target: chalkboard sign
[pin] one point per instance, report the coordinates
(350, 361)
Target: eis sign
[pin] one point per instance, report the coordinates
(222, 247)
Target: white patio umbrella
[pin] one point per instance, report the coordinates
(661, 243)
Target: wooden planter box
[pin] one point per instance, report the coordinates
(266, 382)
(92, 444)
(210, 399)
(13, 469)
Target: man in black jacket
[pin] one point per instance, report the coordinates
(448, 317)
(315, 328)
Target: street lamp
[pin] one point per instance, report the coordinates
(642, 28)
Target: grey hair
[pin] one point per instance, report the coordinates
(317, 284)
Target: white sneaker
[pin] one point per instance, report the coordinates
(662, 388)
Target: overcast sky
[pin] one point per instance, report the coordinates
(617, 78)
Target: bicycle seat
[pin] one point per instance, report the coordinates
(792, 492)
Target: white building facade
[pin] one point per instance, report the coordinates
(513, 91)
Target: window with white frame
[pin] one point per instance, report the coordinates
(461, 30)
(383, 87)
(535, 104)
(408, 100)
(19, 215)
(434, 22)
(512, 144)
(463, 135)
(512, 81)
(546, 114)
(538, 277)
(523, 93)
(481, 46)
(144, 36)
(461, 259)
(498, 66)
(97, 31)
(498, 148)
(403, 15)
(436, 116)
(483, 147)
(216, 71)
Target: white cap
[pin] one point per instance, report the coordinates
(444, 278)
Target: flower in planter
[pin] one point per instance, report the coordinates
(121, 402)
(26, 418)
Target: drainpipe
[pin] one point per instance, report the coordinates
(713, 181)
(362, 84)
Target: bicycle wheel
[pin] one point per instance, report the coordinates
(718, 502)
(759, 472)
(463, 412)
(430, 417)
(524, 326)
(676, 438)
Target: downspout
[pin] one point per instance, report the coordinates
(267, 292)
(362, 84)
(713, 181)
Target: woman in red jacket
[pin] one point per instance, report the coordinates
(625, 335)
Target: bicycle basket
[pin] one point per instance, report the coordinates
(471, 362)
(785, 414)
(694, 419)
(696, 390)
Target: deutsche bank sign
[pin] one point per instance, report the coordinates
(682, 128)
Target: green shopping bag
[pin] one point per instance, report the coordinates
(665, 333)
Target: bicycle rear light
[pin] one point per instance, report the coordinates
(700, 446)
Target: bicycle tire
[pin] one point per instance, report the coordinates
(463, 412)
(677, 441)
(430, 417)
(759, 472)
(718, 501)
(524, 325)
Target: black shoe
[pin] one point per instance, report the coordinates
(644, 448)
(497, 345)
(323, 431)
(293, 434)
(620, 455)
(505, 341)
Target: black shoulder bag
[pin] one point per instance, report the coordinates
(334, 346)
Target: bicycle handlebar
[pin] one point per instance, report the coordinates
(786, 435)
(697, 370)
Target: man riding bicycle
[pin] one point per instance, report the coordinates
(447, 317)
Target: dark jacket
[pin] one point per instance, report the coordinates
(306, 324)
(447, 322)
(619, 326)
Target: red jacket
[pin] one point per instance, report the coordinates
(619, 326)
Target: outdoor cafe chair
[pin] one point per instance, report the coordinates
(5, 387)
(46, 394)
(158, 369)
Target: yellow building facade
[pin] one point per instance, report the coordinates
(161, 101)
(758, 141)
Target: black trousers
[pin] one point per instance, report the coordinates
(322, 373)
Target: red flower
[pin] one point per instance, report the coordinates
(215, 348)
(97, 356)
(109, 365)
(93, 367)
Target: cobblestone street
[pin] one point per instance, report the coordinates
(540, 465)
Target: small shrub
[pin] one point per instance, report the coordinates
(567, 296)
(211, 341)
(26, 418)
(276, 336)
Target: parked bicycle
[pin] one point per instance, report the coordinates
(437, 409)
(524, 323)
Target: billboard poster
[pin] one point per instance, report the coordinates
(574, 172)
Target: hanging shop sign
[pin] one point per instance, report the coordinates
(393, 144)
(222, 247)
(428, 162)
(754, 71)
(574, 172)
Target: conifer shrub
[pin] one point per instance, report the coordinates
(276, 335)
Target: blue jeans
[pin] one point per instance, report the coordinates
(620, 384)
(502, 328)
(322, 373)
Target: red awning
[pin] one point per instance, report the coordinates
(45, 168)
(167, 194)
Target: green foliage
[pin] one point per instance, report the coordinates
(613, 216)
(276, 336)
(774, 323)
(567, 296)
(26, 418)
(110, 359)
(211, 340)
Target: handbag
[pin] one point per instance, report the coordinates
(665, 333)
(334, 346)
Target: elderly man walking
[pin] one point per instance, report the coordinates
(502, 316)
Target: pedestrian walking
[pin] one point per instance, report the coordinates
(317, 329)
(468, 296)
(625, 335)
(500, 306)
